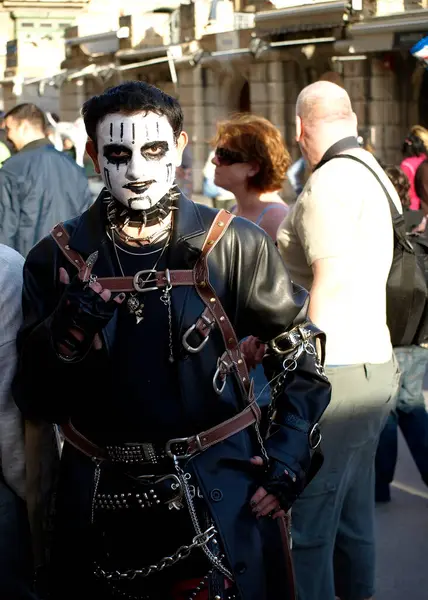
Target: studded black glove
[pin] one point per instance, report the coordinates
(282, 483)
(81, 314)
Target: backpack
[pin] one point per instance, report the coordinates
(406, 287)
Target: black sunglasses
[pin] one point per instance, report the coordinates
(228, 157)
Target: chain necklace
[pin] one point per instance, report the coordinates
(134, 304)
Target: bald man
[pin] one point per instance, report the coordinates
(337, 241)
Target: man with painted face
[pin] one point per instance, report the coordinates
(173, 483)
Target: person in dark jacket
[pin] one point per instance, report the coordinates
(172, 484)
(39, 186)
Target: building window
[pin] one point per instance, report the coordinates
(27, 24)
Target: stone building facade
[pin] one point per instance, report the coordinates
(224, 57)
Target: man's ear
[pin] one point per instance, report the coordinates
(299, 129)
(91, 150)
(183, 138)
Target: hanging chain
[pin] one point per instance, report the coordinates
(166, 299)
(200, 540)
(97, 475)
(214, 560)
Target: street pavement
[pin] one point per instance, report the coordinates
(402, 534)
(402, 528)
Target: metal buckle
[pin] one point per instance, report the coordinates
(190, 348)
(137, 278)
(173, 455)
(315, 437)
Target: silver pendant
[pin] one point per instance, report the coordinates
(136, 308)
(133, 304)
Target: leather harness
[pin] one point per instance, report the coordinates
(214, 314)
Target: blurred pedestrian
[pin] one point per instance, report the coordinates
(337, 241)
(39, 186)
(184, 173)
(16, 574)
(410, 413)
(251, 161)
(220, 197)
(414, 150)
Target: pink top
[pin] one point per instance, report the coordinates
(410, 166)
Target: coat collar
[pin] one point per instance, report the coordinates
(89, 233)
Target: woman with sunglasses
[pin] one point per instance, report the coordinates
(251, 161)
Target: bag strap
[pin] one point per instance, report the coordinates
(397, 217)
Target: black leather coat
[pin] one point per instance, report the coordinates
(252, 283)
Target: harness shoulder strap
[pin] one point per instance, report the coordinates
(214, 312)
(62, 237)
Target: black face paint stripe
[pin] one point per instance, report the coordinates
(107, 177)
(168, 171)
(157, 128)
(133, 133)
(111, 132)
(121, 132)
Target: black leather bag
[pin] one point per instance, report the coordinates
(406, 288)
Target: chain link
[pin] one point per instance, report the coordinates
(166, 299)
(214, 560)
(200, 540)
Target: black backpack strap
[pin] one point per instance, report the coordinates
(397, 218)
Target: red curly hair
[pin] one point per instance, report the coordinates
(259, 141)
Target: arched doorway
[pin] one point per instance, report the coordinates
(244, 98)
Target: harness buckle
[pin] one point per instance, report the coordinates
(138, 280)
(182, 452)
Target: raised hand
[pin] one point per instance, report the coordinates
(83, 311)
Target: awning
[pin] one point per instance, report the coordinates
(384, 33)
(322, 15)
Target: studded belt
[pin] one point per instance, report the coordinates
(139, 454)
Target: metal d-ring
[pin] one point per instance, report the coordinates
(187, 346)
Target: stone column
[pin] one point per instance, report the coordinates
(259, 93)
(191, 98)
(276, 94)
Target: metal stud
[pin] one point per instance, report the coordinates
(212, 300)
(59, 234)
(220, 223)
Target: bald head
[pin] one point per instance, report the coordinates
(323, 101)
(324, 116)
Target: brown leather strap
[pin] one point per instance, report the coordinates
(284, 523)
(61, 236)
(82, 443)
(195, 444)
(215, 310)
(219, 433)
(157, 279)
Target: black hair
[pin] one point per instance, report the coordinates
(413, 146)
(401, 183)
(131, 97)
(28, 112)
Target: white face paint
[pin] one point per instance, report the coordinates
(137, 156)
